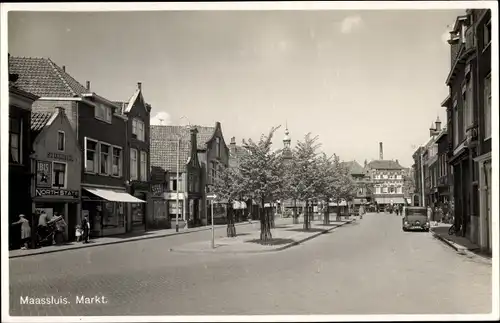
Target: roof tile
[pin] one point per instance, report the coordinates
(164, 145)
(385, 164)
(39, 120)
(44, 78)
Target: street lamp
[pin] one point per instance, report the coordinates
(177, 178)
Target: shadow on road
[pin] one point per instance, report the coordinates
(272, 242)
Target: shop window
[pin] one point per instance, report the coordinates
(91, 155)
(59, 175)
(105, 159)
(172, 208)
(117, 162)
(113, 215)
(61, 141)
(15, 139)
(133, 164)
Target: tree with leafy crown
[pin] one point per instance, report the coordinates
(228, 186)
(261, 174)
(343, 188)
(327, 183)
(304, 177)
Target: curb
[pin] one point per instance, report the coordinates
(289, 245)
(459, 249)
(205, 228)
(462, 250)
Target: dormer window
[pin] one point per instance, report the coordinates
(103, 112)
(138, 129)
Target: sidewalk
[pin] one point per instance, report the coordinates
(461, 244)
(284, 237)
(127, 237)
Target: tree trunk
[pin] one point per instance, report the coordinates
(306, 217)
(295, 215)
(272, 216)
(231, 228)
(265, 226)
(326, 216)
(339, 218)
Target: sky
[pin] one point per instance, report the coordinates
(354, 78)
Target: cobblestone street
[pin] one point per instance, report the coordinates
(368, 267)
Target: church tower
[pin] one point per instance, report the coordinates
(287, 150)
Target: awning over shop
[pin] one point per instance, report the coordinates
(237, 205)
(114, 196)
(390, 200)
(359, 201)
(342, 203)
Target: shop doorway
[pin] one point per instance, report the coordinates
(139, 213)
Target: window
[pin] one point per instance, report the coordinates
(15, 140)
(217, 141)
(455, 124)
(138, 129)
(487, 107)
(103, 112)
(144, 166)
(91, 164)
(384, 189)
(133, 164)
(105, 159)
(59, 176)
(377, 190)
(487, 34)
(391, 190)
(467, 104)
(399, 190)
(117, 162)
(213, 172)
(61, 141)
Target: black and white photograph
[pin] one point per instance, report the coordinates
(249, 161)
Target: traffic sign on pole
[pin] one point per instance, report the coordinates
(211, 197)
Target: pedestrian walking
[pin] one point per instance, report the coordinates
(25, 231)
(86, 228)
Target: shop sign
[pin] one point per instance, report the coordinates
(43, 174)
(63, 157)
(157, 189)
(56, 192)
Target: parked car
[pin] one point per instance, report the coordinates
(415, 218)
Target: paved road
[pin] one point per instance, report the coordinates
(370, 267)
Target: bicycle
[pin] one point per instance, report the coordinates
(453, 230)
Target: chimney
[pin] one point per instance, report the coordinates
(139, 86)
(232, 144)
(438, 125)
(61, 110)
(194, 143)
(88, 85)
(64, 69)
(381, 151)
(432, 130)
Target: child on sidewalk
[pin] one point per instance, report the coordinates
(78, 233)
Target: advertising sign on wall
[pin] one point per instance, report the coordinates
(44, 174)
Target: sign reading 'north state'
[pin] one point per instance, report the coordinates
(56, 192)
